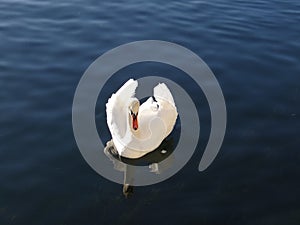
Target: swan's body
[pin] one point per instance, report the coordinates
(137, 130)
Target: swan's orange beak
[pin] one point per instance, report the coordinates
(135, 124)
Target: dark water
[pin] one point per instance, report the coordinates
(252, 47)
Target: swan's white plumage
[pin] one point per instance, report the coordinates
(116, 107)
(161, 91)
(156, 120)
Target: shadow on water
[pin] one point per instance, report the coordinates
(151, 159)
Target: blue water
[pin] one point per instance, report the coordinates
(253, 48)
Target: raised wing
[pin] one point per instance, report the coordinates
(116, 108)
(162, 91)
(167, 109)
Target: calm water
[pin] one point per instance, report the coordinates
(252, 47)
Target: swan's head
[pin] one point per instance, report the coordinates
(134, 111)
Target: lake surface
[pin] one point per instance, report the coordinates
(253, 48)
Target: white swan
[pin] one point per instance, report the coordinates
(137, 130)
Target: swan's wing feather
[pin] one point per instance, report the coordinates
(116, 108)
(162, 91)
(127, 91)
(167, 110)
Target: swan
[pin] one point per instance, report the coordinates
(139, 129)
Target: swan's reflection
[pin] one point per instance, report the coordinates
(151, 159)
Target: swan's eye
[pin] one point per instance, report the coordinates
(131, 113)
